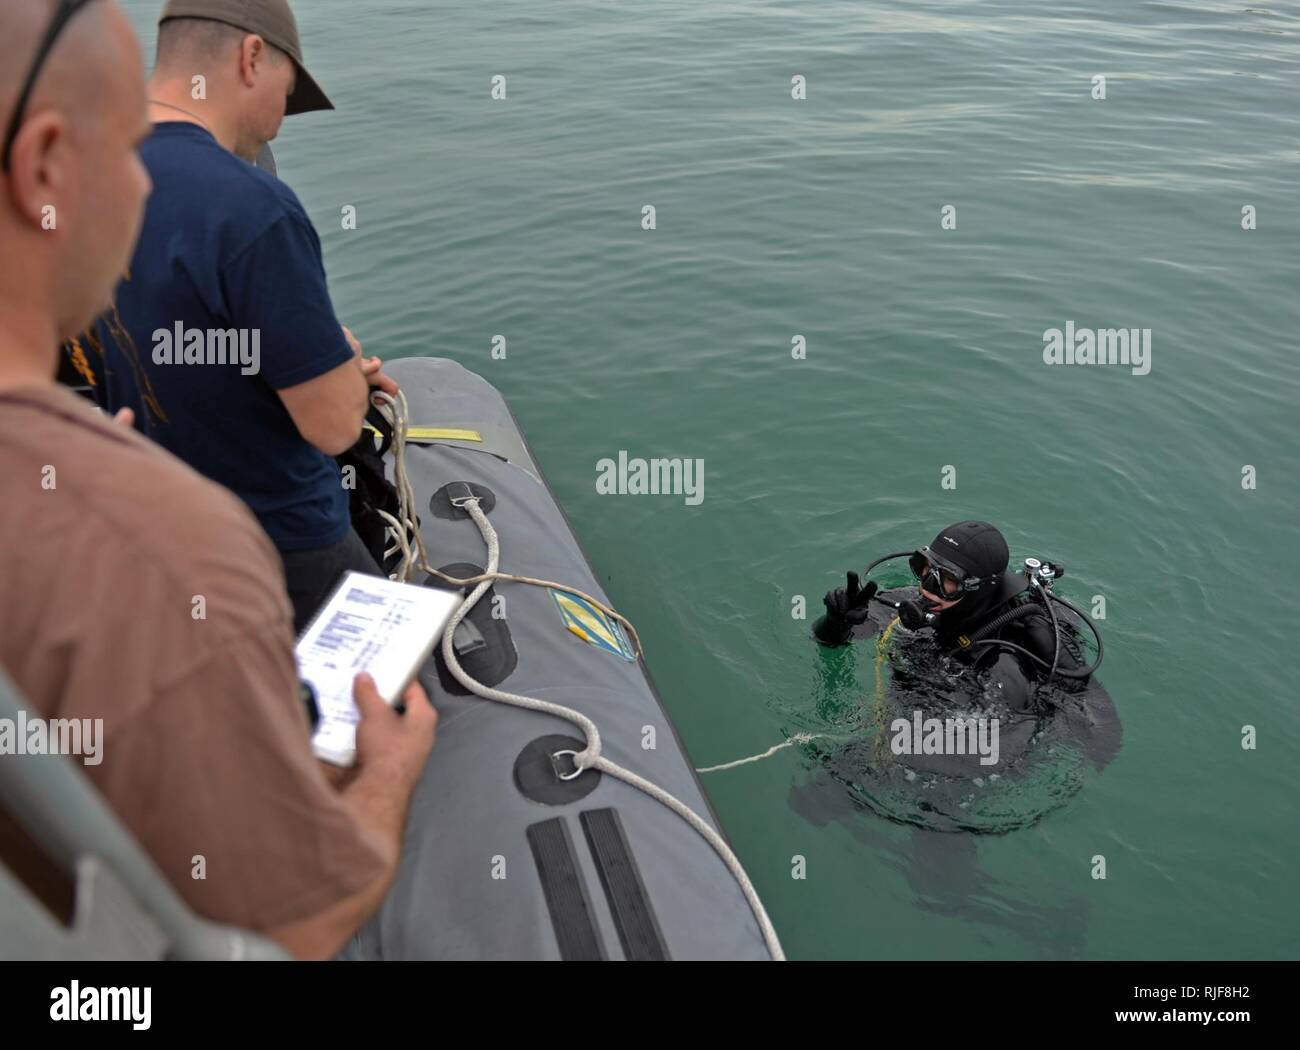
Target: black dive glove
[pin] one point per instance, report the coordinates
(846, 607)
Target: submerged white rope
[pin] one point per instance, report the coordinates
(803, 738)
(591, 757)
(798, 738)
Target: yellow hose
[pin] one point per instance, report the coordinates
(878, 702)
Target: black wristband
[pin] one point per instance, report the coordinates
(831, 630)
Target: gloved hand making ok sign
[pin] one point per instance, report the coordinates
(851, 604)
(846, 607)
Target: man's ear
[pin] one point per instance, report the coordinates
(39, 169)
(252, 53)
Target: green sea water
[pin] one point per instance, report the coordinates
(820, 218)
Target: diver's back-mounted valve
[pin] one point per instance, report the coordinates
(1042, 573)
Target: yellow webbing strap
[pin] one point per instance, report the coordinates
(418, 434)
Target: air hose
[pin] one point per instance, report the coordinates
(981, 637)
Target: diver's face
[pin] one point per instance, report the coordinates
(951, 593)
(939, 604)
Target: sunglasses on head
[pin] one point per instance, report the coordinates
(62, 16)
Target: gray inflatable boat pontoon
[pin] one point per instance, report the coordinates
(503, 858)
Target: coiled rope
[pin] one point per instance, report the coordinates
(415, 556)
(405, 529)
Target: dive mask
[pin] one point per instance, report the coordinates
(942, 578)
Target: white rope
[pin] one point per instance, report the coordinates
(591, 757)
(798, 738)
(407, 538)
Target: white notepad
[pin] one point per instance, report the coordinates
(369, 624)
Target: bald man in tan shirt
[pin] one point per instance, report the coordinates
(136, 592)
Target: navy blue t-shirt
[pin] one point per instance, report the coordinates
(228, 281)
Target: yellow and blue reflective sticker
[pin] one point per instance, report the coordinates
(592, 625)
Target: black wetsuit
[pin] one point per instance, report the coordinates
(1010, 674)
(1032, 631)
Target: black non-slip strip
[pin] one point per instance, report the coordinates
(634, 916)
(566, 895)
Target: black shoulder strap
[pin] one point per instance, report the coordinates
(377, 420)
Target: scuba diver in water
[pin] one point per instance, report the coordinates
(991, 619)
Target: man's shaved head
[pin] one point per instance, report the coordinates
(22, 22)
(72, 200)
(69, 67)
(189, 45)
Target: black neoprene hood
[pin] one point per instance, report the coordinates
(975, 547)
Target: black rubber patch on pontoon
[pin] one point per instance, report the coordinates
(538, 772)
(440, 502)
(634, 916)
(483, 642)
(565, 892)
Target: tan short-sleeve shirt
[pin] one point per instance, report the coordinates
(135, 591)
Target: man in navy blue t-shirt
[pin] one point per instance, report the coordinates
(224, 341)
